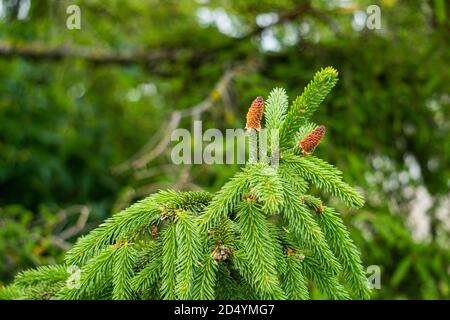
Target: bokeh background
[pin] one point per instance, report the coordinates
(86, 115)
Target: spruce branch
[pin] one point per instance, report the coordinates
(294, 279)
(41, 291)
(12, 292)
(343, 246)
(326, 281)
(305, 105)
(95, 277)
(276, 108)
(277, 235)
(320, 173)
(131, 222)
(205, 280)
(188, 253)
(292, 179)
(192, 201)
(307, 230)
(325, 166)
(120, 226)
(47, 274)
(259, 249)
(230, 282)
(147, 277)
(241, 262)
(123, 272)
(266, 185)
(225, 200)
(223, 233)
(169, 258)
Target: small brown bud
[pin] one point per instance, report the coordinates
(311, 140)
(217, 256)
(154, 230)
(320, 208)
(255, 114)
(249, 197)
(221, 253)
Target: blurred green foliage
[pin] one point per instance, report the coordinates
(71, 115)
(409, 270)
(23, 242)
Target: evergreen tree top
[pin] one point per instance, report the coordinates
(261, 236)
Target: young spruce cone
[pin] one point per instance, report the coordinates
(311, 140)
(255, 114)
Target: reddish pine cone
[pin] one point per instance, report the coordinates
(311, 140)
(255, 114)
